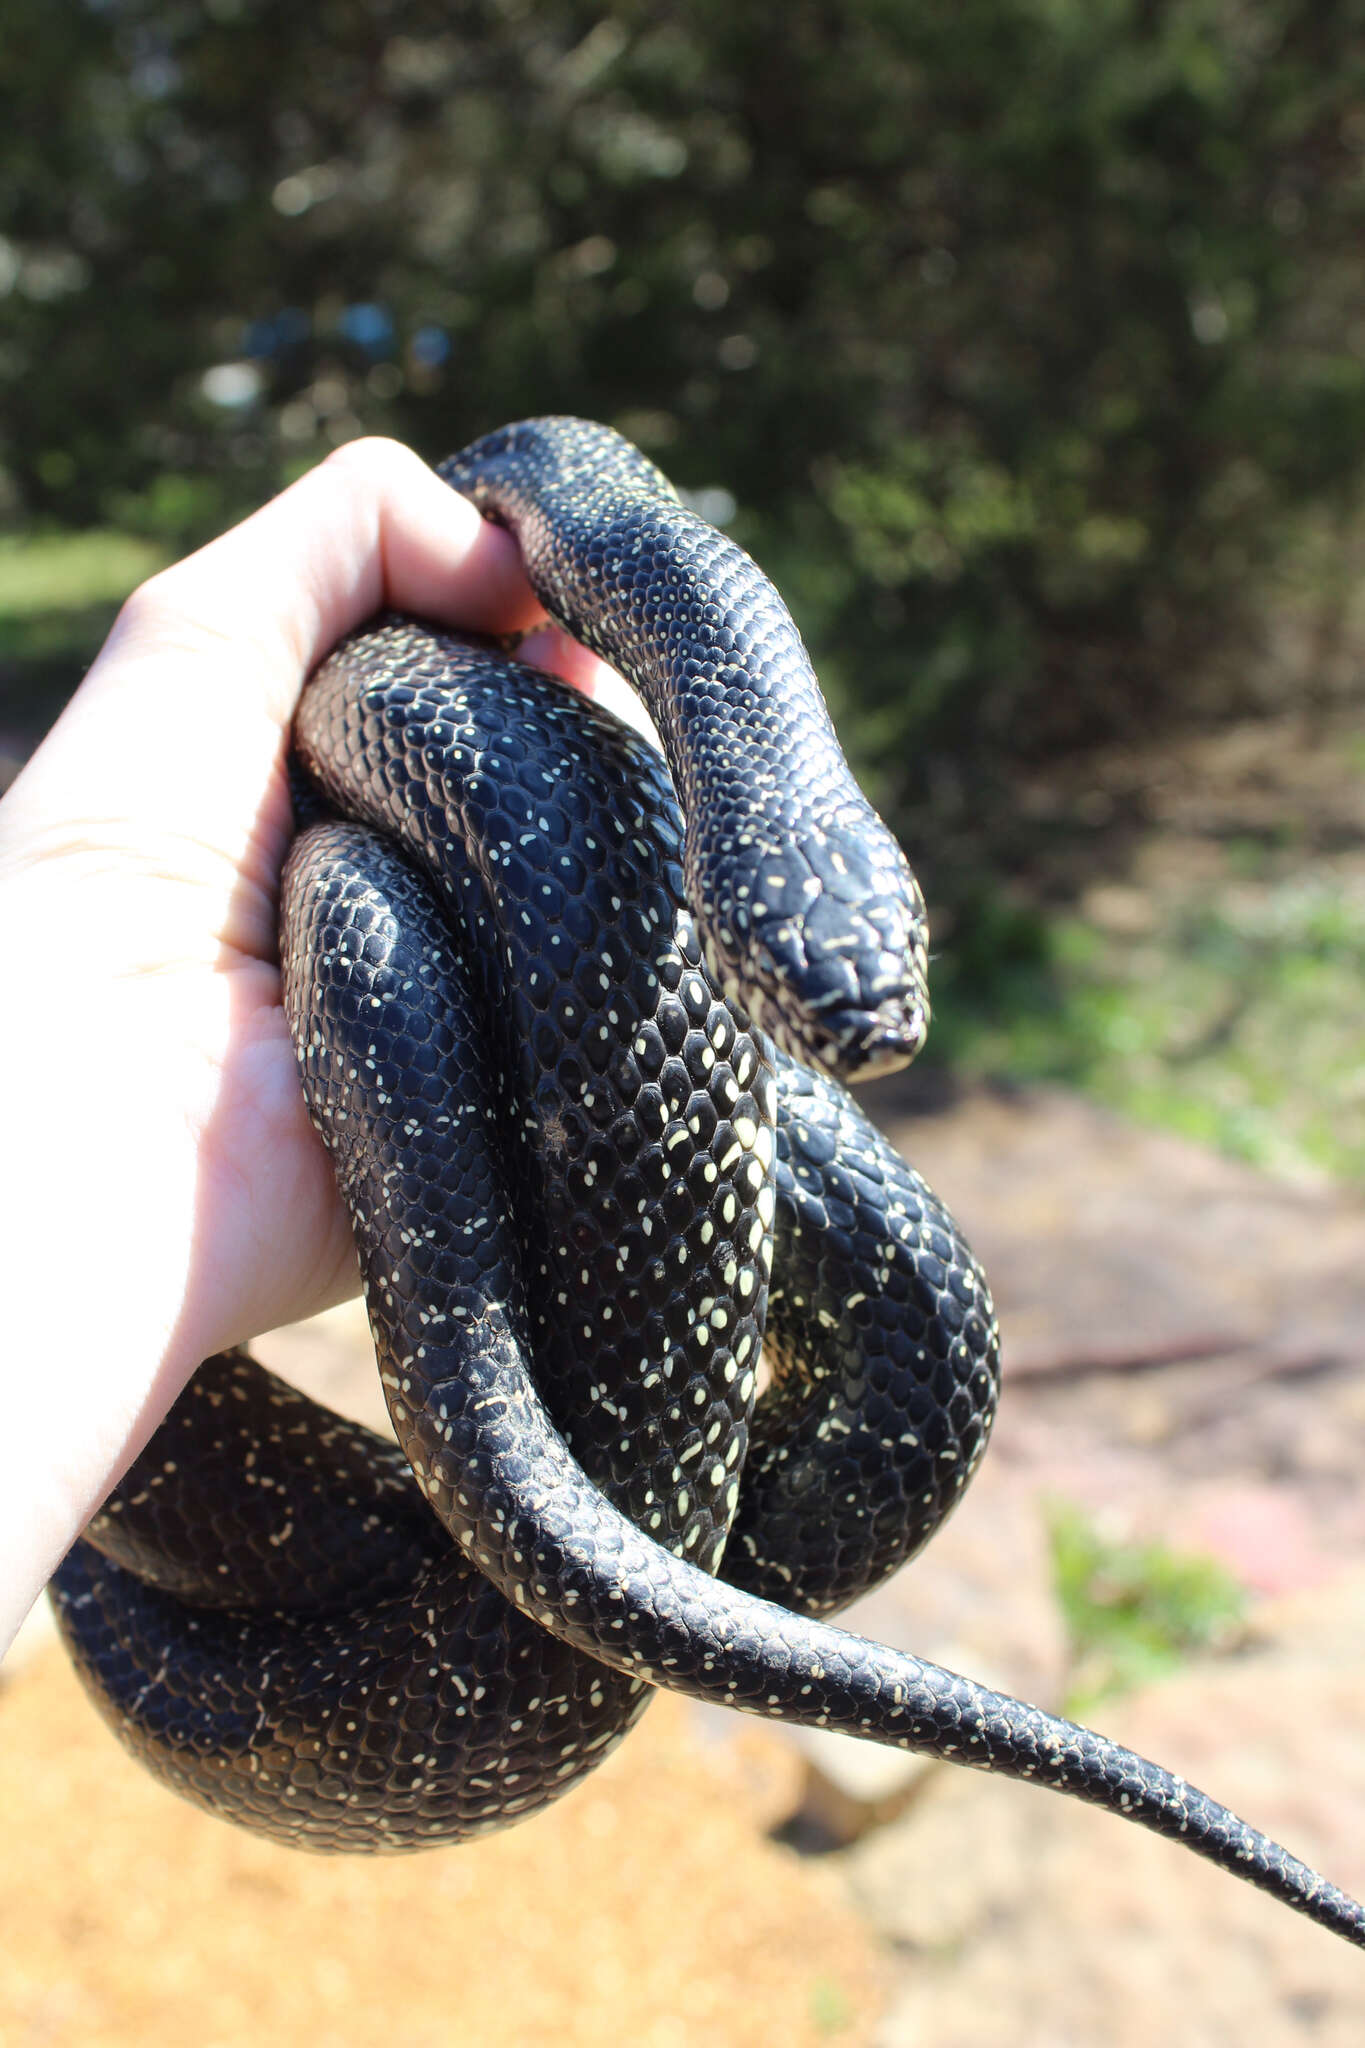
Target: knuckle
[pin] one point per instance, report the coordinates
(153, 603)
(373, 462)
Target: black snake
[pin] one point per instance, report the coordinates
(578, 1070)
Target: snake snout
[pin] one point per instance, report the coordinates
(859, 1042)
(841, 986)
(881, 1044)
(863, 932)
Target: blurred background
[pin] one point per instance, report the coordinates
(1023, 342)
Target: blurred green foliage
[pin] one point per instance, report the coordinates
(1133, 1611)
(830, 2007)
(1013, 330)
(59, 595)
(1234, 1019)
(53, 572)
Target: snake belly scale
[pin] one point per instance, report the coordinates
(577, 1055)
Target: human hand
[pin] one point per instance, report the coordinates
(164, 1194)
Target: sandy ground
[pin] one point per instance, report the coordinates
(648, 1907)
(1179, 1389)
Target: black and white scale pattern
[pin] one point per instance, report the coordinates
(581, 1186)
(810, 915)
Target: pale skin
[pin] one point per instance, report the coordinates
(164, 1194)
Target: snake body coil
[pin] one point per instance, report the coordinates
(582, 1190)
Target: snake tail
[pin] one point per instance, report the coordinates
(497, 1472)
(573, 1024)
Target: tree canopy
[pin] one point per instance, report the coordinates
(1006, 333)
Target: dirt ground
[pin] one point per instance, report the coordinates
(1179, 1390)
(648, 1907)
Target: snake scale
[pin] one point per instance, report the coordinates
(579, 1068)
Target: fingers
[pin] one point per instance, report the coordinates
(178, 726)
(177, 732)
(370, 526)
(548, 648)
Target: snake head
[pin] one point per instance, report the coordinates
(825, 945)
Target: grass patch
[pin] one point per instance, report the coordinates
(830, 2008)
(1133, 1611)
(1234, 1020)
(59, 595)
(64, 572)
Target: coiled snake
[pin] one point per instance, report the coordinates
(578, 1071)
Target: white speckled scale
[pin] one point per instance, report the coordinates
(582, 1185)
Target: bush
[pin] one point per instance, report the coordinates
(1014, 329)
